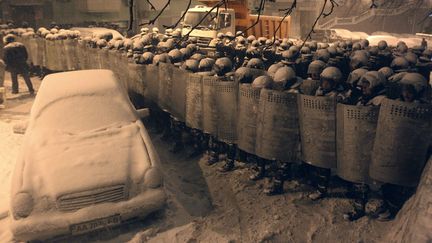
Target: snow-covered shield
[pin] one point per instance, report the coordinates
(247, 117)
(41, 51)
(152, 81)
(278, 126)
(178, 99)
(70, 54)
(401, 143)
(317, 116)
(134, 80)
(356, 127)
(51, 56)
(194, 102)
(165, 86)
(210, 114)
(226, 93)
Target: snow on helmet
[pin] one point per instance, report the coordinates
(175, 56)
(355, 76)
(101, 43)
(284, 78)
(416, 81)
(147, 57)
(197, 56)
(323, 55)
(255, 63)
(161, 58)
(273, 68)
(206, 64)
(386, 71)
(263, 82)
(332, 73)
(186, 53)
(251, 38)
(305, 50)
(375, 80)
(191, 65)
(382, 45)
(399, 64)
(411, 58)
(316, 67)
(155, 30)
(223, 65)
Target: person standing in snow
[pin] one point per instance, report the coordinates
(15, 58)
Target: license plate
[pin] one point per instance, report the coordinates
(95, 224)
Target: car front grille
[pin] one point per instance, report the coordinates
(76, 201)
(203, 41)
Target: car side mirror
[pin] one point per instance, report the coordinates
(143, 113)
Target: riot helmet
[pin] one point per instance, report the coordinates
(284, 78)
(263, 82)
(222, 66)
(206, 64)
(315, 69)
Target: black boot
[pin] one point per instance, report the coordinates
(360, 194)
(177, 130)
(275, 188)
(230, 158)
(260, 172)
(213, 151)
(322, 177)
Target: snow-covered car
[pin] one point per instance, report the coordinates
(97, 31)
(87, 161)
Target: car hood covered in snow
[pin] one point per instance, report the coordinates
(60, 163)
(83, 134)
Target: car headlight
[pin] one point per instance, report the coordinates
(22, 205)
(152, 178)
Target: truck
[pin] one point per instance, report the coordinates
(235, 17)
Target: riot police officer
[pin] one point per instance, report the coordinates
(330, 86)
(285, 80)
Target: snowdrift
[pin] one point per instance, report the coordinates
(414, 221)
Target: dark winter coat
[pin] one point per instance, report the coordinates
(15, 57)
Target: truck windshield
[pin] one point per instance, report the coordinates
(193, 18)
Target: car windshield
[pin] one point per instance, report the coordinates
(83, 113)
(193, 18)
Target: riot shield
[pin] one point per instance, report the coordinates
(152, 80)
(51, 55)
(401, 143)
(226, 107)
(356, 127)
(70, 54)
(247, 117)
(60, 64)
(178, 99)
(278, 126)
(104, 58)
(165, 86)
(134, 81)
(41, 53)
(317, 116)
(33, 51)
(194, 102)
(210, 115)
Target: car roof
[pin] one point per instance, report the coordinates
(90, 32)
(83, 83)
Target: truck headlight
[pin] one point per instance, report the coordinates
(153, 178)
(22, 205)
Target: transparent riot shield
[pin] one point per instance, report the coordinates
(104, 58)
(50, 55)
(152, 81)
(317, 116)
(33, 51)
(178, 98)
(210, 115)
(134, 79)
(60, 50)
(226, 108)
(356, 127)
(165, 86)
(278, 126)
(402, 140)
(247, 117)
(194, 102)
(41, 53)
(70, 54)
